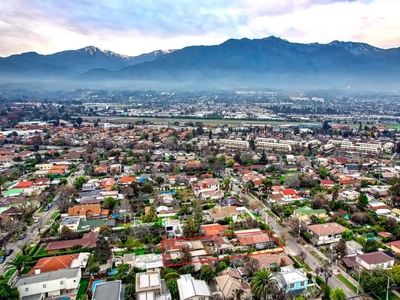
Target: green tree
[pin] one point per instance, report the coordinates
(197, 211)
(263, 284)
(230, 164)
(172, 276)
(102, 251)
(94, 269)
(130, 291)
(323, 172)
(335, 191)
(395, 274)
(6, 291)
(122, 273)
(263, 159)
(362, 200)
(190, 228)
(105, 230)
(79, 181)
(173, 288)
(110, 203)
(371, 246)
(150, 216)
(374, 280)
(18, 262)
(79, 121)
(206, 273)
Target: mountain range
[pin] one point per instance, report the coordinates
(259, 63)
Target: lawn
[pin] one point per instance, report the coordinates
(347, 283)
(82, 289)
(10, 273)
(307, 267)
(55, 214)
(42, 251)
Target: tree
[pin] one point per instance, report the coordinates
(294, 224)
(79, 121)
(173, 288)
(374, 280)
(122, 272)
(338, 294)
(335, 192)
(110, 203)
(293, 181)
(18, 262)
(263, 284)
(66, 232)
(25, 247)
(340, 248)
(206, 273)
(12, 227)
(6, 291)
(362, 200)
(325, 270)
(79, 181)
(395, 273)
(190, 228)
(263, 159)
(105, 230)
(371, 246)
(102, 251)
(94, 269)
(150, 216)
(125, 209)
(320, 199)
(197, 212)
(347, 235)
(130, 292)
(394, 190)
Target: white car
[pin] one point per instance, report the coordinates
(36, 220)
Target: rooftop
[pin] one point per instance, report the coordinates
(43, 277)
(110, 290)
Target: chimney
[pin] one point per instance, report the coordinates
(37, 270)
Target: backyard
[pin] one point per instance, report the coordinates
(82, 289)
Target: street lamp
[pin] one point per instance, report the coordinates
(388, 287)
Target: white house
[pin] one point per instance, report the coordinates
(325, 233)
(50, 284)
(375, 260)
(193, 289)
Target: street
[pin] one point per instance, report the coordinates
(294, 248)
(32, 235)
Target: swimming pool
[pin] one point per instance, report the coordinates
(96, 283)
(65, 298)
(112, 272)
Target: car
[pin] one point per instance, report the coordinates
(2, 258)
(47, 207)
(8, 252)
(36, 219)
(22, 236)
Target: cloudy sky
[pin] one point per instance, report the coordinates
(133, 27)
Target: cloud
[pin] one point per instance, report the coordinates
(134, 27)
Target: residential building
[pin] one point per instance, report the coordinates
(325, 233)
(293, 280)
(375, 260)
(88, 240)
(55, 263)
(110, 290)
(229, 281)
(50, 284)
(219, 213)
(193, 289)
(150, 286)
(394, 246)
(93, 211)
(304, 213)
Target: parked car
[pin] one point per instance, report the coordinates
(2, 258)
(8, 252)
(47, 207)
(22, 236)
(36, 219)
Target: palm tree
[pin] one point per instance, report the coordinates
(25, 248)
(17, 262)
(263, 284)
(335, 191)
(227, 182)
(238, 293)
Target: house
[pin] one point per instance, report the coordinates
(353, 248)
(193, 289)
(325, 233)
(255, 238)
(293, 281)
(93, 211)
(230, 201)
(213, 229)
(272, 261)
(148, 262)
(110, 290)
(148, 281)
(230, 280)
(304, 213)
(327, 183)
(219, 213)
(394, 246)
(211, 184)
(127, 180)
(374, 260)
(51, 284)
(55, 263)
(173, 228)
(88, 240)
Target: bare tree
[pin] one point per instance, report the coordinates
(12, 227)
(125, 209)
(302, 255)
(40, 224)
(284, 235)
(325, 270)
(294, 224)
(293, 181)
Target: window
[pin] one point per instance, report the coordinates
(26, 289)
(302, 283)
(291, 286)
(44, 286)
(61, 282)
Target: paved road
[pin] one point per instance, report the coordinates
(292, 246)
(32, 234)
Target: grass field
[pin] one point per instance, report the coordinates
(307, 267)
(42, 250)
(391, 296)
(82, 289)
(55, 214)
(347, 283)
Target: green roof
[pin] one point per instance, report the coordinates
(89, 224)
(306, 210)
(11, 192)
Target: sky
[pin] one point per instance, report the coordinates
(141, 26)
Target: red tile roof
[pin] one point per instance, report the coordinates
(23, 184)
(49, 264)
